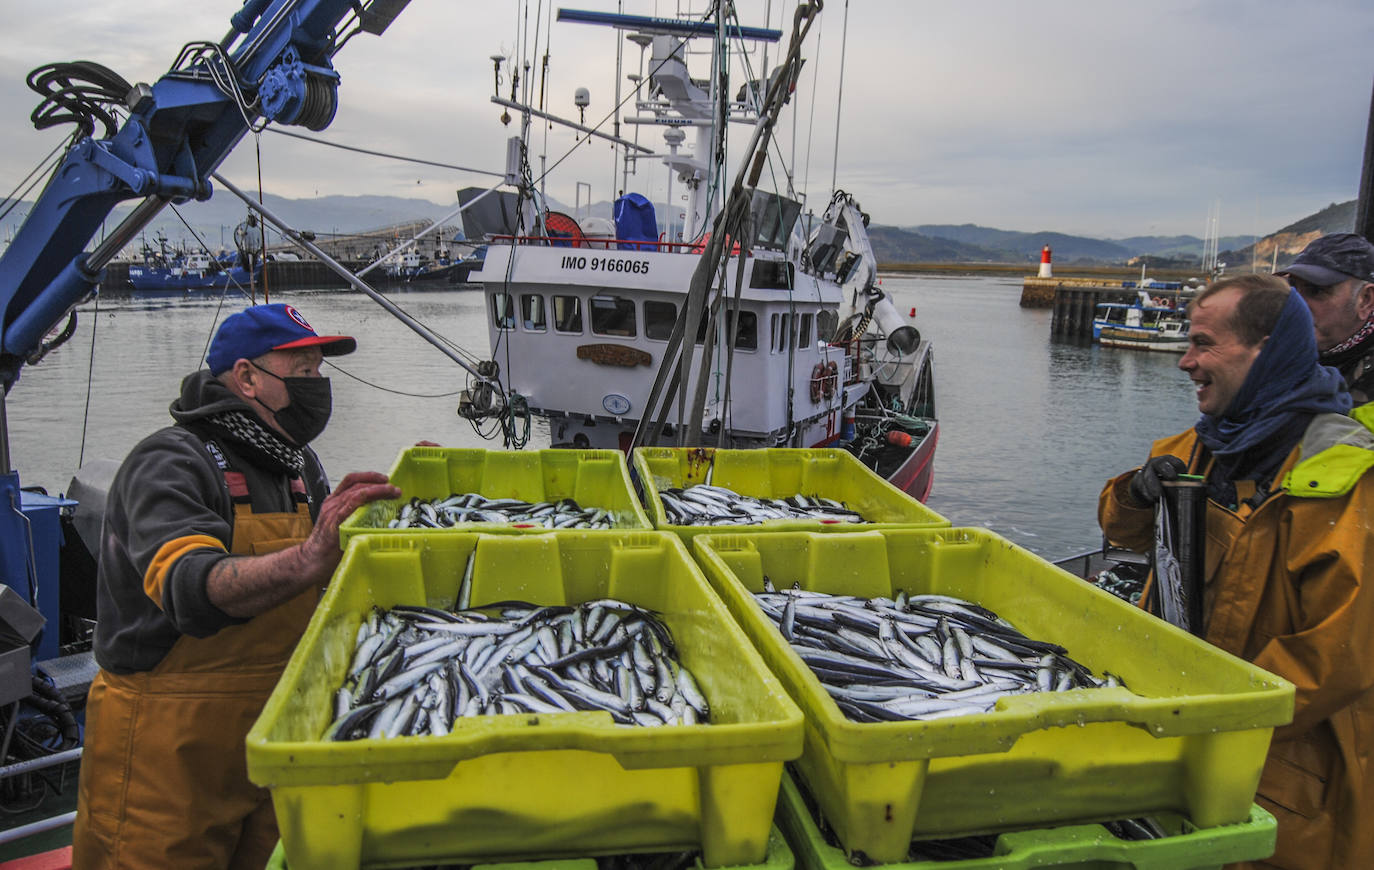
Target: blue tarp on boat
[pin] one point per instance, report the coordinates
(635, 222)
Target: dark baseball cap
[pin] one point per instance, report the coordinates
(255, 331)
(1332, 259)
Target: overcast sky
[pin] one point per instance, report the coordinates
(1100, 118)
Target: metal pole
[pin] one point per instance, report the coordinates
(40, 763)
(839, 101)
(128, 228)
(4, 435)
(38, 827)
(1187, 498)
(354, 281)
(1364, 208)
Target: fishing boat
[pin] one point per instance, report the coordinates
(412, 267)
(167, 272)
(749, 328)
(1149, 323)
(789, 338)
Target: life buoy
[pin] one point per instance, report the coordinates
(825, 380)
(817, 383)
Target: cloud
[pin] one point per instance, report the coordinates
(1103, 118)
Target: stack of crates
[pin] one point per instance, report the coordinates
(525, 787)
(1184, 743)
(1188, 732)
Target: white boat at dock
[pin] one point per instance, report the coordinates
(796, 345)
(1146, 324)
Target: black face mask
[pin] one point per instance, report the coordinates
(309, 403)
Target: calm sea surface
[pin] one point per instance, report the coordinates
(1030, 428)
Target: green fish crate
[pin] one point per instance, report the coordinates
(778, 857)
(592, 478)
(1190, 733)
(1084, 847)
(778, 473)
(525, 787)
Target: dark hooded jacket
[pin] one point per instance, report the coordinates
(167, 506)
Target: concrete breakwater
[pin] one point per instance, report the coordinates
(1075, 301)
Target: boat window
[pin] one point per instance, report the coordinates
(827, 322)
(778, 342)
(659, 318)
(503, 311)
(613, 315)
(567, 314)
(746, 337)
(532, 312)
(804, 334)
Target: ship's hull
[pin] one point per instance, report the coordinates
(152, 280)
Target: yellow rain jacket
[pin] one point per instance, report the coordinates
(1288, 587)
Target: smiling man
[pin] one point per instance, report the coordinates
(1289, 514)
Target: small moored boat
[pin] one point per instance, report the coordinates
(1143, 324)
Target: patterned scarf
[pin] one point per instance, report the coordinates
(1360, 335)
(248, 431)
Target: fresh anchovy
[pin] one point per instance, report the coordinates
(471, 507)
(415, 670)
(705, 505)
(917, 656)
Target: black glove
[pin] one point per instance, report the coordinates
(1145, 489)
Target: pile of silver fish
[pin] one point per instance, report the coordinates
(707, 505)
(471, 507)
(416, 669)
(919, 656)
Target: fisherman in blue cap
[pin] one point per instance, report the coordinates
(220, 533)
(1335, 275)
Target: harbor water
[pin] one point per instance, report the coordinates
(1030, 428)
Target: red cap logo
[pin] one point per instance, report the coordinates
(296, 316)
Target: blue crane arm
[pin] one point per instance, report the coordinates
(275, 64)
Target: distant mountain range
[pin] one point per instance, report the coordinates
(969, 243)
(214, 222)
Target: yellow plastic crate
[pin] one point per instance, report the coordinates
(778, 857)
(527, 786)
(1190, 734)
(778, 473)
(593, 478)
(1088, 846)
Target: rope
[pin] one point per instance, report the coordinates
(39, 171)
(386, 154)
(839, 98)
(335, 366)
(90, 380)
(262, 231)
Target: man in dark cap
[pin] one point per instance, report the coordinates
(1335, 275)
(220, 532)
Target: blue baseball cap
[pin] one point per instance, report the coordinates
(255, 331)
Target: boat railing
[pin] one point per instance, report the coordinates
(602, 244)
(1089, 562)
